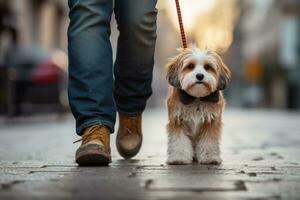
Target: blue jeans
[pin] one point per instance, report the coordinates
(94, 93)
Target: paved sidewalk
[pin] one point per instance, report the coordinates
(261, 153)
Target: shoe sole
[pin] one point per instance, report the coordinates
(92, 155)
(127, 154)
(92, 160)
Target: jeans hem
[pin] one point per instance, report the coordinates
(131, 114)
(93, 122)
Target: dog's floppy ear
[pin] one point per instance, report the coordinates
(224, 77)
(172, 72)
(225, 73)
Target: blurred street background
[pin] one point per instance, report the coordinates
(258, 39)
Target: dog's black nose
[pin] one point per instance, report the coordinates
(199, 76)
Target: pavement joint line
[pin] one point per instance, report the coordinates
(239, 185)
(197, 190)
(9, 185)
(53, 171)
(64, 166)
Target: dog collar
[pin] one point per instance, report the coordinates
(186, 98)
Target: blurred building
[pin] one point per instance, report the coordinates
(36, 21)
(267, 43)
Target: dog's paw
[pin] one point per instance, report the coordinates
(210, 160)
(178, 161)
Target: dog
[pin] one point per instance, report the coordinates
(195, 104)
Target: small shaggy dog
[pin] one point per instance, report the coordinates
(195, 105)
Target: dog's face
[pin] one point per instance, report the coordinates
(198, 72)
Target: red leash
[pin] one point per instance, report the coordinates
(183, 38)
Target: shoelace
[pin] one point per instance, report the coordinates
(91, 135)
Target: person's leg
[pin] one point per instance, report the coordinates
(135, 54)
(133, 68)
(90, 86)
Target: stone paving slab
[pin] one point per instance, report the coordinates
(157, 181)
(261, 153)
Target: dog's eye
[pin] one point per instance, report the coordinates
(191, 66)
(207, 67)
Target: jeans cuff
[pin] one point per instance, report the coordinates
(131, 114)
(93, 122)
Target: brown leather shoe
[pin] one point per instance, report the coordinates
(95, 149)
(129, 136)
